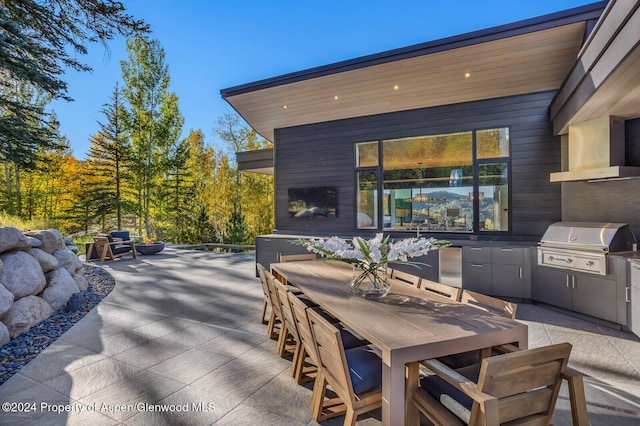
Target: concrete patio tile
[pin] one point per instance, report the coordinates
(196, 334)
(196, 407)
(58, 359)
(40, 401)
(91, 378)
(234, 343)
(125, 316)
(590, 355)
(151, 352)
(131, 396)
(283, 388)
(163, 327)
(246, 415)
(114, 344)
(241, 377)
(191, 365)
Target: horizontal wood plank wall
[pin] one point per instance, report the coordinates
(323, 155)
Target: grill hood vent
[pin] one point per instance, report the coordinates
(595, 150)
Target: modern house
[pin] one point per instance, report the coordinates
(484, 139)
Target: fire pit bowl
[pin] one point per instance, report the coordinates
(150, 248)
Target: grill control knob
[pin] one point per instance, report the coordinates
(569, 260)
(590, 263)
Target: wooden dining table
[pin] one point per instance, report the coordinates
(408, 325)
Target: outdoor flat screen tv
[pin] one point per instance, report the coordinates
(310, 203)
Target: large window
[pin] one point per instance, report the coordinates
(457, 182)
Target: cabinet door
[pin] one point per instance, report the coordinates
(595, 296)
(507, 281)
(552, 286)
(477, 277)
(634, 298)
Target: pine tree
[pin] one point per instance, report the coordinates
(236, 230)
(39, 40)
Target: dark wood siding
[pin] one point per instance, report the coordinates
(323, 155)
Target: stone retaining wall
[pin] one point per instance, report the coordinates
(39, 271)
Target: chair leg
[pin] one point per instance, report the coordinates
(263, 319)
(282, 340)
(350, 417)
(271, 327)
(317, 397)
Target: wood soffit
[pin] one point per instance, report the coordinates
(525, 63)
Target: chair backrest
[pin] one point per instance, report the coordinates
(297, 257)
(285, 308)
(299, 310)
(452, 293)
(263, 281)
(526, 384)
(273, 294)
(103, 247)
(491, 304)
(406, 278)
(331, 358)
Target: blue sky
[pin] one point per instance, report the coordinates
(215, 44)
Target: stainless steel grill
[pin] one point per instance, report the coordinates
(583, 246)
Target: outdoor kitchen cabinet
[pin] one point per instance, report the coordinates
(588, 294)
(496, 271)
(509, 272)
(476, 269)
(633, 297)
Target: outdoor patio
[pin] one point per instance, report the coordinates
(180, 331)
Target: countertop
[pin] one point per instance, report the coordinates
(457, 240)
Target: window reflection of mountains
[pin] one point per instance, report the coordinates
(441, 198)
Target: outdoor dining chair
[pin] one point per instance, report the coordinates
(266, 305)
(284, 258)
(355, 375)
(515, 388)
(452, 293)
(406, 278)
(302, 371)
(490, 304)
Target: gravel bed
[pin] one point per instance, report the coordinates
(22, 349)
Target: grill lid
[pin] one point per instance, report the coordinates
(592, 236)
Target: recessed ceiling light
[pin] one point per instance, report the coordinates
(335, 98)
(284, 106)
(395, 87)
(467, 75)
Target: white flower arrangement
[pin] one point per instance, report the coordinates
(372, 254)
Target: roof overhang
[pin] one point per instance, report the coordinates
(523, 57)
(605, 80)
(256, 161)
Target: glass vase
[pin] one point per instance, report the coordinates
(370, 283)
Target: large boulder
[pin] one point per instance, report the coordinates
(60, 287)
(35, 243)
(4, 334)
(47, 261)
(6, 299)
(25, 313)
(81, 281)
(68, 260)
(51, 239)
(21, 274)
(11, 239)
